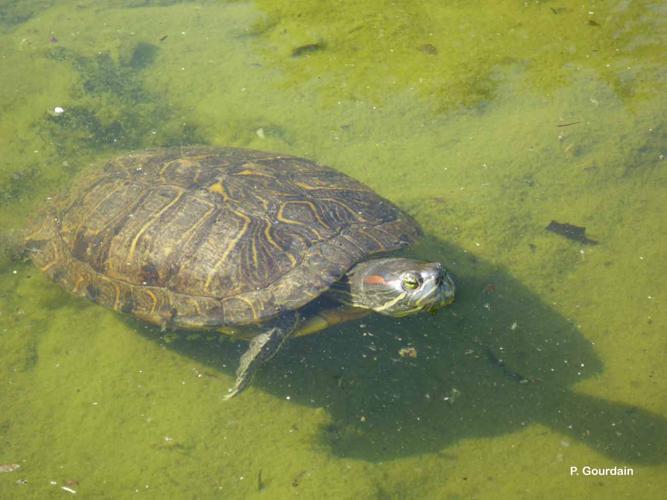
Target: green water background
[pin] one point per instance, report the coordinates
(484, 120)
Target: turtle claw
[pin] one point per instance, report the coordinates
(261, 349)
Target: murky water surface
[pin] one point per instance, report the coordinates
(483, 120)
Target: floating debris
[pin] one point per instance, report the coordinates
(68, 490)
(307, 49)
(571, 232)
(9, 467)
(508, 372)
(407, 352)
(428, 48)
(297, 479)
(453, 396)
(201, 374)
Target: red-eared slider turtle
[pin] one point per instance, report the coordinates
(257, 245)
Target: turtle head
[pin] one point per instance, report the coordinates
(398, 287)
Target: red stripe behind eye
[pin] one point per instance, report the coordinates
(374, 279)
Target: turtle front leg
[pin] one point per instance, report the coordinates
(261, 349)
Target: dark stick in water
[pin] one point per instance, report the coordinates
(571, 232)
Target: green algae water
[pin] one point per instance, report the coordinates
(485, 121)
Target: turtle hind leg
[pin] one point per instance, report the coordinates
(261, 349)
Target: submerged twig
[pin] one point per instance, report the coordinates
(571, 232)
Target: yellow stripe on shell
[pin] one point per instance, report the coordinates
(246, 301)
(228, 250)
(313, 209)
(192, 230)
(154, 218)
(272, 242)
(249, 171)
(219, 188)
(116, 299)
(153, 299)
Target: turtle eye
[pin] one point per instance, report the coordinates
(411, 281)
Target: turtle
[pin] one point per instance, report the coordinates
(256, 245)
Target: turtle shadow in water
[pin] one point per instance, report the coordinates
(495, 362)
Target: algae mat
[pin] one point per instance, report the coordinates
(483, 120)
